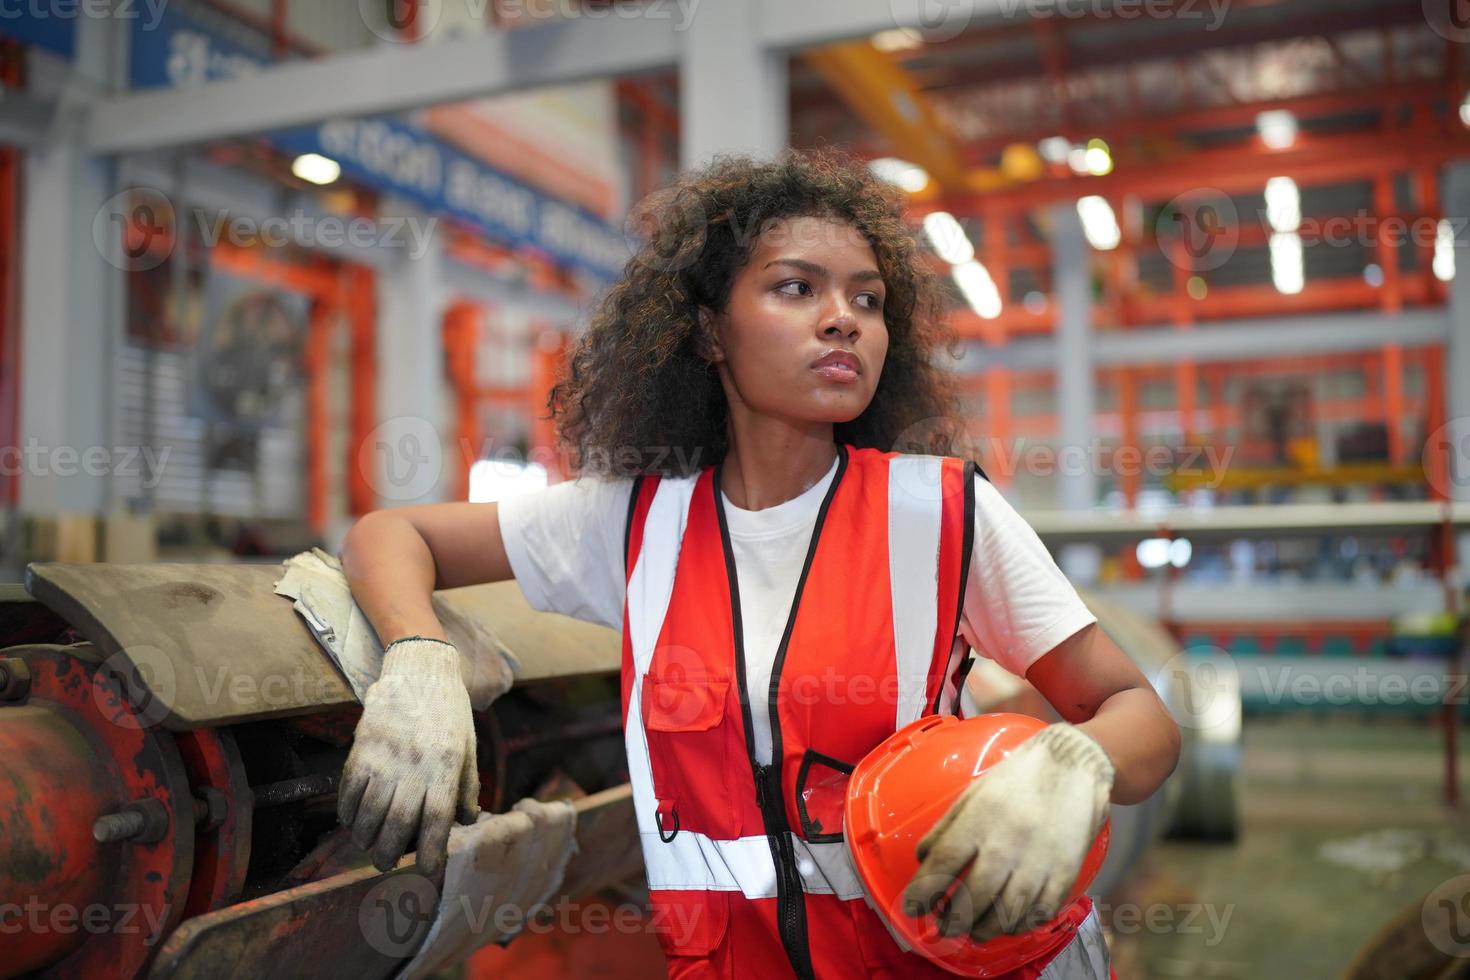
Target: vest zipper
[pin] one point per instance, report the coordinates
(790, 896)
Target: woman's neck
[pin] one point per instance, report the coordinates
(769, 464)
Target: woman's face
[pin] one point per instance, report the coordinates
(803, 337)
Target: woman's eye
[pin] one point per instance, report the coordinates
(785, 287)
(874, 303)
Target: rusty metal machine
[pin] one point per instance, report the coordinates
(170, 743)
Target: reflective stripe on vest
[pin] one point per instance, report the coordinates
(871, 644)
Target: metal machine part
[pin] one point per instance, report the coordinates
(169, 763)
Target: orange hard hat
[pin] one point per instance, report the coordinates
(899, 791)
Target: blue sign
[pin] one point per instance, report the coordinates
(56, 34)
(390, 155)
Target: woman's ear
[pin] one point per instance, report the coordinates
(707, 339)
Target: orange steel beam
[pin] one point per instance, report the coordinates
(1204, 118)
(1128, 419)
(1312, 160)
(462, 334)
(318, 362)
(997, 382)
(359, 286)
(548, 352)
(880, 92)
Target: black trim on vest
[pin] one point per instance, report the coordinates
(790, 896)
(967, 546)
(811, 829)
(628, 525)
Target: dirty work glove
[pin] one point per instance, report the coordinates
(412, 768)
(1027, 823)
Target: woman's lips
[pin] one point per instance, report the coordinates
(837, 366)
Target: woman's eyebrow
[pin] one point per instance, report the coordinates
(813, 269)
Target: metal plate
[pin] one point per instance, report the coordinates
(363, 924)
(214, 644)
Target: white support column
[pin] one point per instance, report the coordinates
(732, 88)
(1457, 351)
(1075, 382)
(410, 446)
(70, 305)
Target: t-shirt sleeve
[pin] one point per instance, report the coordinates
(565, 545)
(1018, 604)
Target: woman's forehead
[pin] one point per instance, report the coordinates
(806, 235)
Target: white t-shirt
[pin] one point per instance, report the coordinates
(565, 546)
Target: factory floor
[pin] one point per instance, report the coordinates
(1343, 827)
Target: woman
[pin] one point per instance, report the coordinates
(791, 589)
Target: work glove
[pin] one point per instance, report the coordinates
(412, 765)
(1015, 838)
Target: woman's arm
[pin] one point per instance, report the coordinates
(1094, 685)
(412, 767)
(395, 559)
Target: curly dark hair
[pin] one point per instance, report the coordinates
(642, 397)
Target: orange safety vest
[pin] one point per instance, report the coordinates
(747, 869)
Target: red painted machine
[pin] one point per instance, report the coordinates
(170, 743)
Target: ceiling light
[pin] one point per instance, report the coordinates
(1283, 204)
(1054, 149)
(315, 168)
(978, 289)
(949, 239)
(900, 173)
(1098, 222)
(898, 39)
(1277, 128)
(1444, 251)
(1286, 262)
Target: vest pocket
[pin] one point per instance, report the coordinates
(680, 705)
(684, 721)
(691, 923)
(821, 793)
